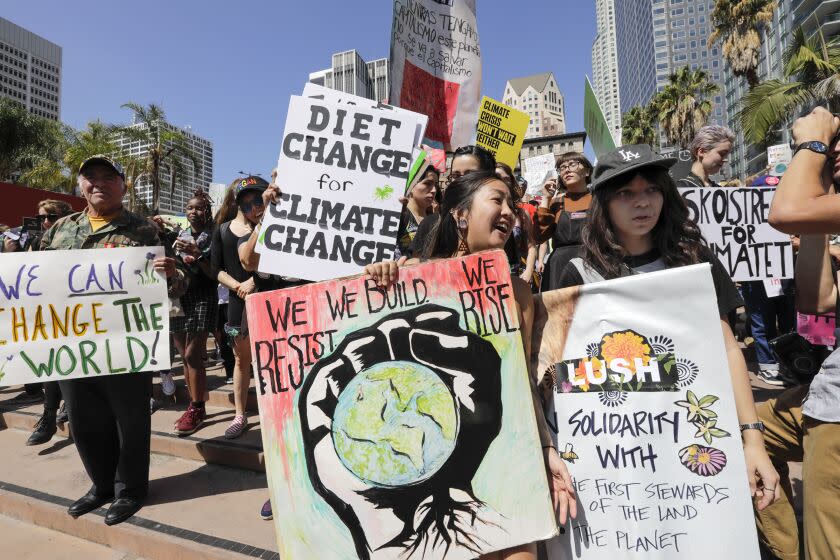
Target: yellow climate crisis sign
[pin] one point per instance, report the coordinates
(501, 129)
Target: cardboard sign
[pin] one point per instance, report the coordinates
(435, 66)
(645, 419)
(342, 169)
(595, 124)
(81, 314)
(734, 223)
(538, 170)
(817, 329)
(384, 412)
(778, 159)
(501, 130)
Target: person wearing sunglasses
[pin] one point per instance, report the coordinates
(224, 254)
(49, 212)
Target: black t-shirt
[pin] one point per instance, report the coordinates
(422, 234)
(727, 294)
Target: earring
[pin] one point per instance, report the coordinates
(462, 236)
(462, 224)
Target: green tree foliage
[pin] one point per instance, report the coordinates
(738, 26)
(684, 104)
(638, 126)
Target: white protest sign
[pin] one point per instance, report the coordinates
(435, 66)
(538, 170)
(645, 418)
(81, 314)
(778, 158)
(734, 223)
(342, 169)
(335, 96)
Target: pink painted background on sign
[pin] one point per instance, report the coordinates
(816, 329)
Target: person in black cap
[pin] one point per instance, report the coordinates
(638, 222)
(224, 255)
(109, 415)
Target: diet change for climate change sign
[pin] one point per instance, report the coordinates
(342, 169)
(645, 418)
(734, 223)
(79, 314)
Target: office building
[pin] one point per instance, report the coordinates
(605, 77)
(540, 97)
(173, 201)
(635, 54)
(351, 74)
(30, 70)
(556, 144)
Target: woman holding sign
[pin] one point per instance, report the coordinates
(477, 214)
(638, 222)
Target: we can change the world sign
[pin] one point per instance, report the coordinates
(80, 314)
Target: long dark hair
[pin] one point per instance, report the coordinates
(677, 238)
(228, 209)
(443, 240)
(486, 160)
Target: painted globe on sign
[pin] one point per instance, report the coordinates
(395, 424)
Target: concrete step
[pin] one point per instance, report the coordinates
(24, 541)
(194, 511)
(207, 445)
(221, 394)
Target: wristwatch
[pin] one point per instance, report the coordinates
(754, 426)
(814, 145)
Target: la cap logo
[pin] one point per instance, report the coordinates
(628, 155)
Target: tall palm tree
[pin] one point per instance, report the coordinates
(167, 150)
(97, 138)
(684, 104)
(637, 126)
(811, 76)
(738, 25)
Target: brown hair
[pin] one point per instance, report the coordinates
(228, 209)
(204, 199)
(676, 236)
(58, 207)
(573, 156)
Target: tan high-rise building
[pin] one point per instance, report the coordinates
(540, 97)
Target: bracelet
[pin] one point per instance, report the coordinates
(754, 426)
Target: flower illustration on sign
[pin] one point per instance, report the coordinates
(698, 409)
(708, 430)
(383, 193)
(705, 461)
(626, 345)
(147, 274)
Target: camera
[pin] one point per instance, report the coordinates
(800, 360)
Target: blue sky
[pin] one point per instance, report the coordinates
(228, 68)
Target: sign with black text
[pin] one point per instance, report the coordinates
(734, 223)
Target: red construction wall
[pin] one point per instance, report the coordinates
(17, 201)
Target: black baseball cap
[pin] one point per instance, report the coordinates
(251, 183)
(625, 159)
(104, 160)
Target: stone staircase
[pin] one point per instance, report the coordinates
(205, 491)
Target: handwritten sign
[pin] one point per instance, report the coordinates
(645, 418)
(81, 314)
(501, 130)
(385, 411)
(538, 170)
(735, 225)
(817, 329)
(342, 168)
(435, 66)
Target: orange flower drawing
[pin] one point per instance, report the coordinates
(627, 345)
(580, 372)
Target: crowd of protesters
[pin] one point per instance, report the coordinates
(591, 223)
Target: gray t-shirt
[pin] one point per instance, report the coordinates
(823, 400)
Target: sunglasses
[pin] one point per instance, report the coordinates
(47, 217)
(246, 206)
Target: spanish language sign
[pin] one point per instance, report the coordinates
(501, 130)
(80, 314)
(389, 417)
(435, 66)
(595, 124)
(645, 418)
(342, 169)
(734, 223)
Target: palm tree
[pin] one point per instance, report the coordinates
(97, 138)
(684, 104)
(637, 126)
(167, 150)
(738, 26)
(29, 143)
(811, 76)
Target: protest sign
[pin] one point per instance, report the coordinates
(538, 170)
(595, 124)
(335, 96)
(778, 159)
(389, 417)
(817, 329)
(501, 130)
(735, 225)
(435, 66)
(81, 314)
(645, 418)
(342, 169)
